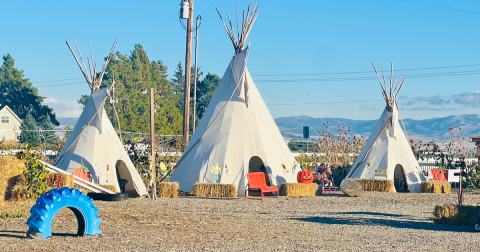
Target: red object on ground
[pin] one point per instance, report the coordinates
(256, 180)
(438, 175)
(305, 177)
(78, 172)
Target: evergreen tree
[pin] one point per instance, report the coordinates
(205, 91)
(30, 133)
(83, 100)
(68, 131)
(134, 73)
(18, 93)
(49, 136)
(178, 86)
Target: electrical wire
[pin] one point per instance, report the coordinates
(370, 71)
(438, 6)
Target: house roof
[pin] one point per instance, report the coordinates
(11, 112)
(476, 139)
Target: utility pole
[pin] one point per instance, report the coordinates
(186, 114)
(153, 173)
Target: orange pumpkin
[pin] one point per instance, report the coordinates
(305, 177)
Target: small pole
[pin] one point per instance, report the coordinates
(199, 18)
(188, 70)
(153, 173)
(306, 141)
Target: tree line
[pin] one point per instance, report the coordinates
(127, 107)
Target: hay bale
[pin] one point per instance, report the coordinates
(377, 185)
(446, 187)
(19, 191)
(82, 189)
(10, 168)
(451, 214)
(435, 187)
(168, 189)
(109, 187)
(68, 180)
(214, 190)
(351, 187)
(298, 189)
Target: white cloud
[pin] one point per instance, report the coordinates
(50, 100)
(468, 98)
(66, 108)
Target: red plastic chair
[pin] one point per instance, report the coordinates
(78, 172)
(256, 181)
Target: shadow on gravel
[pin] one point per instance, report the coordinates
(385, 222)
(375, 213)
(10, 235)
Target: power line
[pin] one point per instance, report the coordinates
(438, 6)
(358, 78)
(355, 72)
(57, 80)
(293, 74)
(319, 103)
(412, 76)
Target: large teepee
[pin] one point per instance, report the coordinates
(94, 141)
(387, 153)
(237, 134)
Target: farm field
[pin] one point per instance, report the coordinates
(333, 222)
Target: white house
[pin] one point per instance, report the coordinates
(9, 125)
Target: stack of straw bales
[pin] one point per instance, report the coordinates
(168, 189)
(299, 189)
(451, 214)
(10, 169)
(377, 185)
(351, 187)
(435, 187)
(214, 190)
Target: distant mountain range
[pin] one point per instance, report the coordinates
(426, 129)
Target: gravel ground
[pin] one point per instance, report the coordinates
(333, 222)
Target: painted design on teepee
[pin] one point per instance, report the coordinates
(217, 172)
(387, 151)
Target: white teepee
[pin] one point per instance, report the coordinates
(94, 141)
(237, 133)
(387, 153)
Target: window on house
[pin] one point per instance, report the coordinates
(5, 119)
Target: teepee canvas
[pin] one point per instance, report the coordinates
(237, 133)
(94, 142)
(387, 153)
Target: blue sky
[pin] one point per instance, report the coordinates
(295, 48)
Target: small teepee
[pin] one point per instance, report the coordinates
(237, 133)
(387, 153)
(94, 142)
